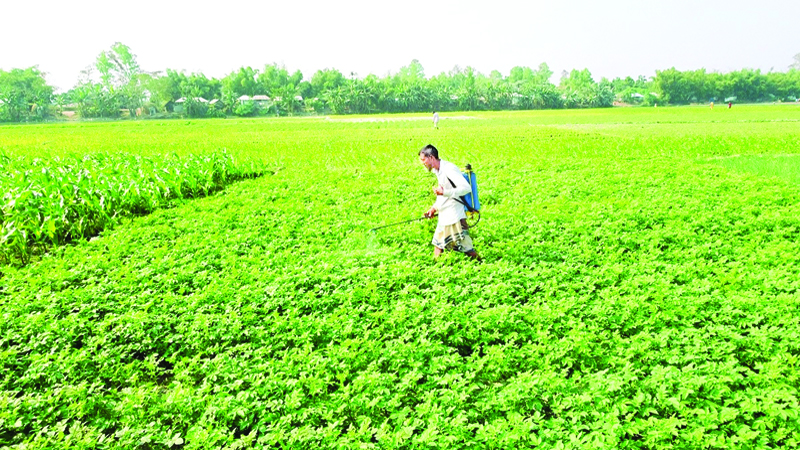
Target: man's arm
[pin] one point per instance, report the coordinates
(437, 205)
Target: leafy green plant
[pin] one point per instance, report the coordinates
(52, 202)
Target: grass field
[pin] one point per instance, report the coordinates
(640, 283)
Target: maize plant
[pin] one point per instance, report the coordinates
(51, 202)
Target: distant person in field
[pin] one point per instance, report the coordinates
(452, 231)
(730, 104)
(435, 120)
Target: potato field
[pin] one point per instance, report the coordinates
(214, 283)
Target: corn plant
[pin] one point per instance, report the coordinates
(50, 202)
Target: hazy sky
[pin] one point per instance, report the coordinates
(612, 38)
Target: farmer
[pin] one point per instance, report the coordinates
(435, 120)
(452, 229)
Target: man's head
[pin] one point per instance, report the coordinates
(429, 157)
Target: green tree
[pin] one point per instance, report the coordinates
(326, 80)
(121, 76)
(198, 85)
(577, 80)
(323, 83)
(163, 89)
(465, 88)
(441, 93)
(526, 75)
(747, 85)
(581, 91)
(543, 96)
(276, 78)
(786, 85)
(412, 73)
(669, 85)
(285, 98)
(117, 66)
(242, 82)
(543, 74)
(24, 95)
(520, 75)
(336, 99)
(94, 100)
(631, 90)
(678, 87)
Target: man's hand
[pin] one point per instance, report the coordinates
(431, 212)
(438, 190)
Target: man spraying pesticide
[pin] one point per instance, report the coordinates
(452, 230)
(455, 194)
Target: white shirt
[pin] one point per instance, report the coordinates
(450, 211)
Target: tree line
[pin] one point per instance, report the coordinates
(115, 86)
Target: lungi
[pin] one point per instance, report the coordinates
(452, 237)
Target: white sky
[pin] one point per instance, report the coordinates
(611, 38)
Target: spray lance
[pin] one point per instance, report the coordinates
(398, 223)
(470, 201)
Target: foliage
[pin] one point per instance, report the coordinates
(635, 294)
(274, 78)
(49, 203)
(121, 77)
(246, 109)
(121, 87)
(194, 107)
(746, 85)
(243, 82)
(580, 91)
(95, 101)
(24, 95)
(327, 80)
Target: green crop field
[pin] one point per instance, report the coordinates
(214, 284)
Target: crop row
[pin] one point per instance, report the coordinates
(52, 201)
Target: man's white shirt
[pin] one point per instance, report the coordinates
(450, 211)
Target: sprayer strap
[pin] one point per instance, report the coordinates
(462, 199)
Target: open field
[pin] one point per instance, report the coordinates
(641, 284)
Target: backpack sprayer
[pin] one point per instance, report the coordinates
(472, 204)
